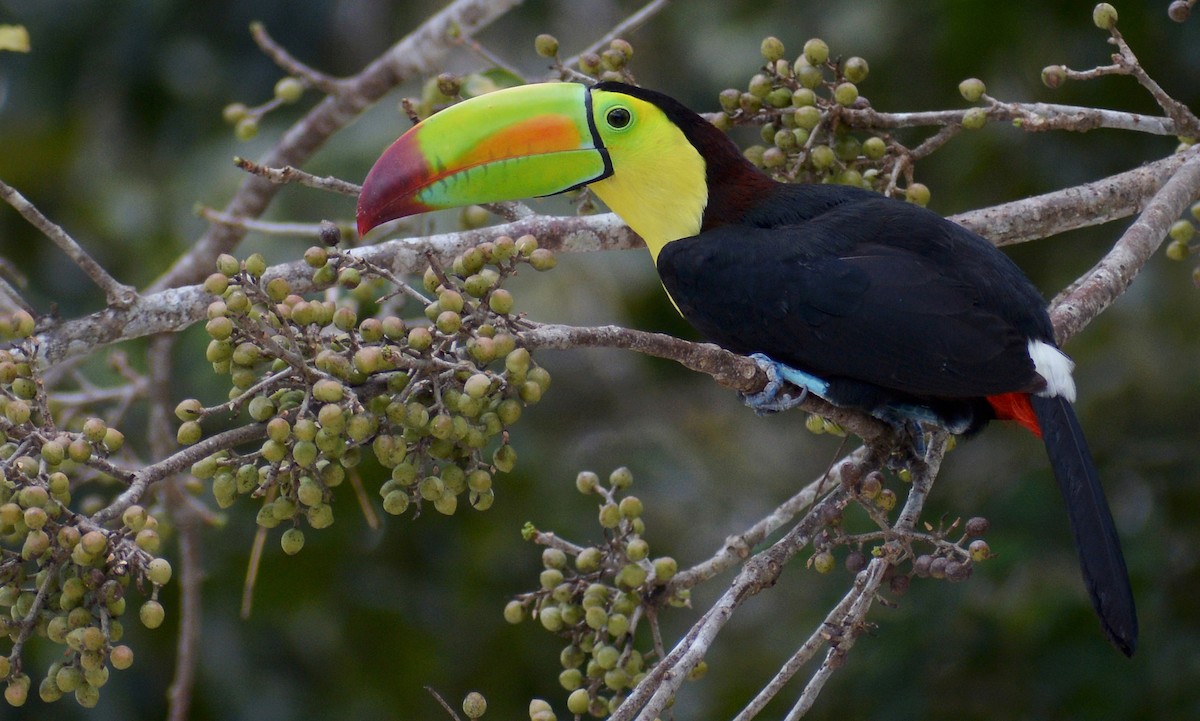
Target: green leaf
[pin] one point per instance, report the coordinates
(15, 38)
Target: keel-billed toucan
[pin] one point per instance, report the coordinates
(886, 306)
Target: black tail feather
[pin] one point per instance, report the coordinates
(1096, 539)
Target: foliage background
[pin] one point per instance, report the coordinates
(112, 126)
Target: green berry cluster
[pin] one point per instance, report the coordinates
(806, 134)
(245, 119)
(63, 576)
(329, 378)
(612, 63)
(1181, 234)
(593, 597)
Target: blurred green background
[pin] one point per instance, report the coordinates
(112, 125)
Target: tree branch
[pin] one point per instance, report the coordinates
(1030, 116)
(179, 461)
(1101, 201)
(1107, 280)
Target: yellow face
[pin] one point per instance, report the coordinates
(658, 185)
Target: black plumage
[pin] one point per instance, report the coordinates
(886, 300)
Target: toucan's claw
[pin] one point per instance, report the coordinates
(772, 398)
(907, 418)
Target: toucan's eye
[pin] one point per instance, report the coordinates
(618, 118)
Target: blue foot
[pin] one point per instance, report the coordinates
(910, 417)
(771, 399)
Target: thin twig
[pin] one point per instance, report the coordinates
(288, 174)
(737, 548)
(14, 297)
(627, 25)
(1029, 116)
(174, 463)
(298, 230)
(117, 294)
(325, 83)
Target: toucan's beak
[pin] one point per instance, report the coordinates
(520, 142)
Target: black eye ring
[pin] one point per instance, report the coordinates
(618, 118)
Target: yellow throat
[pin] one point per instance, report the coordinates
(658, 186)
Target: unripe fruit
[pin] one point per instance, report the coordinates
(588, 560)
(845, 93)
(620, 478)
(188, 433)
(159, 571)
(772, 49)
(972, 89)
(609, 515)
(822, 157)
(474, 705)
(637, 549)
(809, 77)
(292, 541)
(1104, 16)
(121, 657)
(1177, 250)
(816, 51)
(546, 45)
(189, 409)
(289, 89)
(856, 70)
(501, 301)
(1054, 76)
(328, 390)
(874, 147)
(974, 118)
(542, 259)
(631, 576)
(759, 86)
(1182, 231)
(551, 618)
(823, 562)
(514, 612)
(255, 265)
(420, 338)
(886, 500)
(151, 614)
(234, 112)
(316, 257)
(917, 193)
(665, 568)
(579, 701)
(630, 507)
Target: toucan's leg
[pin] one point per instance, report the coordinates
(771, 399)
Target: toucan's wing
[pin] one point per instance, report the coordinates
(873, 294)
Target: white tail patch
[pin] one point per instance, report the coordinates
(1053, 365)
